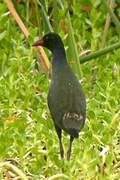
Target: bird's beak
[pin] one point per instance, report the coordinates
(40, 42)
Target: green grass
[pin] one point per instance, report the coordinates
(27, 134)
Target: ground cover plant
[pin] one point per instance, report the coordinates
(28, 140)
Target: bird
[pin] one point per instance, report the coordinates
(66, 99)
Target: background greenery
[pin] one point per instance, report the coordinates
(27, 135)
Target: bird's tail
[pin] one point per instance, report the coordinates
(73, 122)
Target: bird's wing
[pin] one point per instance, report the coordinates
(74, 115)
(66, 103)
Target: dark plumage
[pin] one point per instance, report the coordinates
(66, 99)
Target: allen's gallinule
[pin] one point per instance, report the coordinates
(66, 99)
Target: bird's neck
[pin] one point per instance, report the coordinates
(59, 58)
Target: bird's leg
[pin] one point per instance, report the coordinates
(70, 148)
(59, 133)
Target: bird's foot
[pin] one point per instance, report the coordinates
(68, 154)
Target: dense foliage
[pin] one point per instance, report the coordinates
(27, 135)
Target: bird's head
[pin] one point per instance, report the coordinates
(50, 41)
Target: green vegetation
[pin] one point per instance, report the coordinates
(27, 136)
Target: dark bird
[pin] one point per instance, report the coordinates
(66, 99)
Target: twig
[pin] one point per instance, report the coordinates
(107, 24)
(17, 18)
(58, 176)
(13, 168)
(42, 56)
(99, 53)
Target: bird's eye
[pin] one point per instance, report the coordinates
(46, 38)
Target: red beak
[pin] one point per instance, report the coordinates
(40, 42)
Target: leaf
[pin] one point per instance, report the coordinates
(2, 35)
